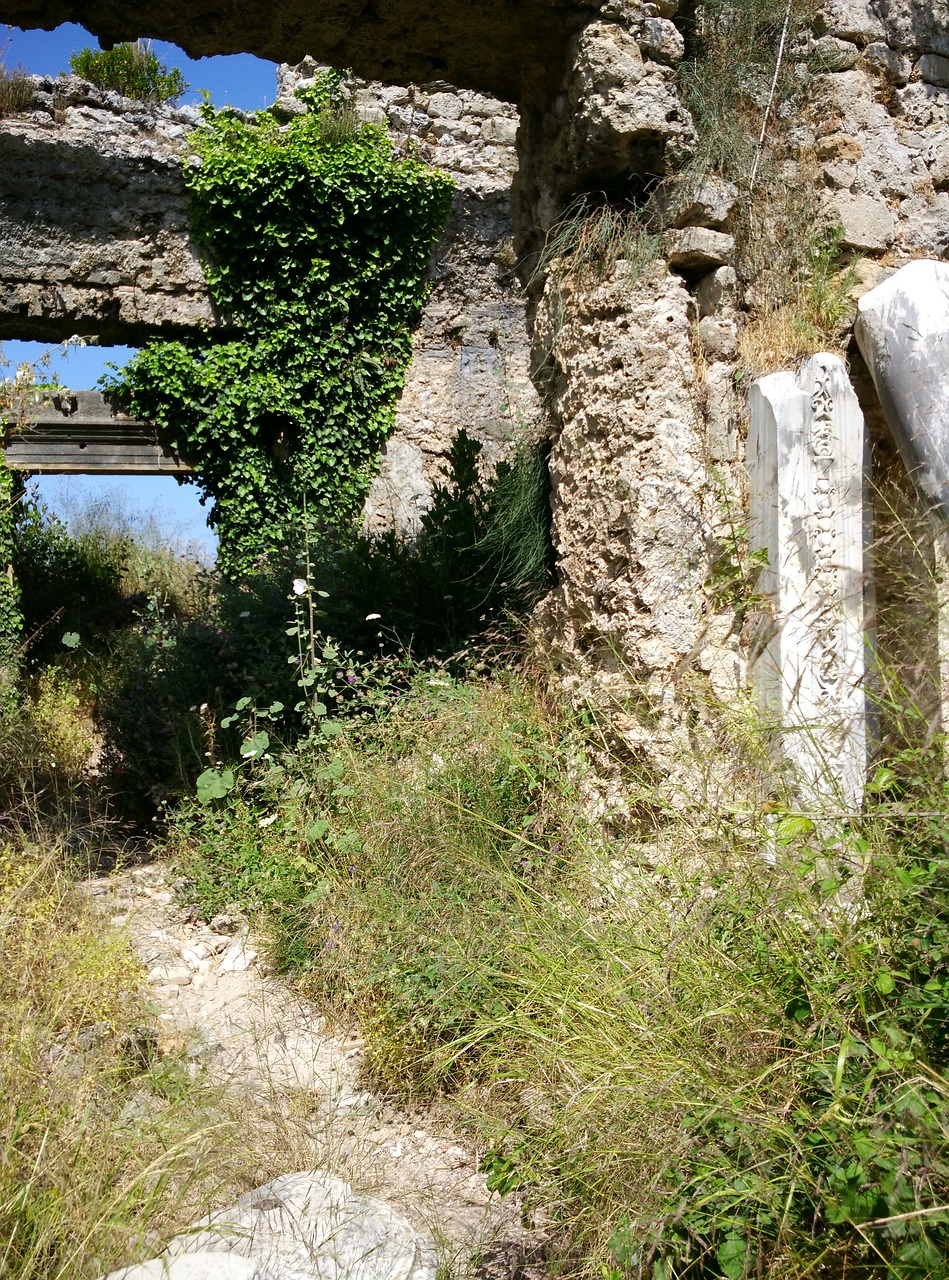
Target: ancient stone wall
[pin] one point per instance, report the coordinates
(94, 241)
(94, 219)
(639, 369)
(643, 370)
(881, 116)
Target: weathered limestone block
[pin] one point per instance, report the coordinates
(94, 219)
(616, 121)
(934, 69)
(661, 39)
(696, 249)
(636, 512)
(806, 462)
(302, 1226)
(903, 332)
(881, 148)
(894, 67)
(902, 26)
(867, 224)
(705, 203)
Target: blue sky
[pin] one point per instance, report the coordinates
(238, 79)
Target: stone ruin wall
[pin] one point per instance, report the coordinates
(638, 376)
(647, 464)
(94, 241)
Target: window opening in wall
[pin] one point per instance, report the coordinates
(159, 505)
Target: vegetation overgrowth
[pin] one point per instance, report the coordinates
(16, 90)
(708, 1041)
(316, 238)
(725, 1059)
(705, 1039)
(134, 70)
(110, 1139)
(747, 79)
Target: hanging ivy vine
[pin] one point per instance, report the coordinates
(316, 236)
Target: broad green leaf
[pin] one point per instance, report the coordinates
(214, 784)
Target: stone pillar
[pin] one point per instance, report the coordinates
(902, 330)
(806, 461)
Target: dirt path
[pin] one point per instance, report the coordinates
(248, 1030)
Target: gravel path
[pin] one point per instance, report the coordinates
(246, 1029)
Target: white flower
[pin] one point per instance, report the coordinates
(299, 586)
(371, 617)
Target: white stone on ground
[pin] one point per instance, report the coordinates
(302, 1226)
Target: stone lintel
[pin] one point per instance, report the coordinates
(86, 433)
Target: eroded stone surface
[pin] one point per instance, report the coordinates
(881, 154)
(616, 120)
(94, 219)
(312, 1225)
(498, 46)
(636, 512)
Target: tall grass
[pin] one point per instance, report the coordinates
(681, 1042)
(81, 1180)
(16, 90)
(592, 238)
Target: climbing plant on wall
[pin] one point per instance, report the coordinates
(316, 237)
(11, 615)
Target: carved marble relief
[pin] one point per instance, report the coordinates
(806, 468)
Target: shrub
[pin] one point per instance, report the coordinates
(130, 69)
(67, 583)
(482, 558)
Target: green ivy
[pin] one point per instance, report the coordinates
(11, 614)
(316, 238)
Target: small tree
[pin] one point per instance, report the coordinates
(130, 69)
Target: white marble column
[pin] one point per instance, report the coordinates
(806, 464)
(902, 330)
